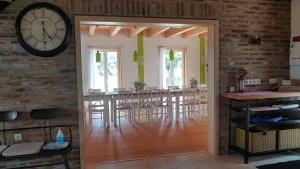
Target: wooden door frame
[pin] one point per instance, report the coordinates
(213, 68)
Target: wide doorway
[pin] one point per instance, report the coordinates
(145, 87)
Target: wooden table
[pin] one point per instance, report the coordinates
(111, 98)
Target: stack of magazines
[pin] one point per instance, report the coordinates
(287, 106)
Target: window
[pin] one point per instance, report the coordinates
(172, 71)
(106, 72)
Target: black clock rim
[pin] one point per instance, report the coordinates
(55, 51)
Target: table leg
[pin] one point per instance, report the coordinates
(170, 107)
(111, 109)
(106, 112)
(114, 104)
(177, 106)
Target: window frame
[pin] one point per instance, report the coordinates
(113, 49)
(184, 50)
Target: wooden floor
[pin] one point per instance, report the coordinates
(132, 141)
(183, 161)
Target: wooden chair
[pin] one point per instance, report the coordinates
(124, 104)
(203, 101)
(194, 102)
(173, 87)
(190, 102)
(163, 103)
(144, 107)
(119, 89)
(96, 105)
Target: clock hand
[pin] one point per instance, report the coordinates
(45, 32)
(48, 35)
(44, 40)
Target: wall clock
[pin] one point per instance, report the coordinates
(43, 29)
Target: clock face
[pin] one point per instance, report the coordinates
(43, 29)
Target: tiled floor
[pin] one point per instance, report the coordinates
(184, 161)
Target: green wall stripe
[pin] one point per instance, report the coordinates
(140, 51)
(140, 44)
(202, 60)
(141, 72)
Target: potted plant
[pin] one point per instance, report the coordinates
(139, 85)
(193, 83)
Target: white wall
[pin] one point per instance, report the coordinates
(295, 31)
(151, 55)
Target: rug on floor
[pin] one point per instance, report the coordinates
(282, 165)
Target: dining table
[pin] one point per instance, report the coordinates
(111, 98)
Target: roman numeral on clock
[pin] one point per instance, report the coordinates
(28, 38)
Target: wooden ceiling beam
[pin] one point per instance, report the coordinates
(115, 30)
(92, 30)
(194, 32)
(135, 30)
(103, 27)
(152, 32)
(177, 31)
(205, 34)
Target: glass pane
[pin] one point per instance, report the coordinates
(173, 70)
(112, 70)
(99, 78)
(167, 79)
(178, 68)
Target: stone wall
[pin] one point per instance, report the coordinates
(29, 82)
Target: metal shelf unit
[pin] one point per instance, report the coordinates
(242, 108)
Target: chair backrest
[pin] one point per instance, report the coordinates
(173, 87)
(150, 88)
(93, 92)
(123, 97)
(144, 97)
(46, 113)
(203, 93)
(6, 116)
(162, 96)
(119, 89)
(96, 97)
(190, 94)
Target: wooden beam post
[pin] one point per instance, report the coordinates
(115, 30)
(92, 30)
(135, 30)
(194, 32)
(177, 31)
(152, 32)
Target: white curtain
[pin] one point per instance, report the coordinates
(161, 66)
(93, 73)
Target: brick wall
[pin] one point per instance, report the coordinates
(29, 82)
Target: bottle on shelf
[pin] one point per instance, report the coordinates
(241, 80)
(59, 137)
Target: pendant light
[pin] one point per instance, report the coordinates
(98, 57)
(135, 56)
(171, 55)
